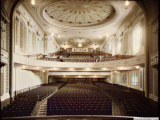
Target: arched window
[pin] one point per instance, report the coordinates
(137, 36)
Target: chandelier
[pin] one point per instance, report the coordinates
(79, 45)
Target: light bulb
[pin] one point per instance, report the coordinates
(127, 3)
(33, 2)
(107, 35)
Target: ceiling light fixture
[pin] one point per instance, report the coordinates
(59, 36)
(24, 67)
(104, 68)
(94, 48)
(137, 67)
(115, 71)
(100, 36)
(43, 71)
(107, 34)
(64, 48)
(33, 2)
(127, 3)
(37, 67)
(79, 45)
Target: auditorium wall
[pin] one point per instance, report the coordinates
(124, 39)
(29, 38)
(25, 80)
(131, 79)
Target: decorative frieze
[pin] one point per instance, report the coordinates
(154, 59)
(4, 56)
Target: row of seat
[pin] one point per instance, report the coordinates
(88, 101)
(25, 102)
(132, 103)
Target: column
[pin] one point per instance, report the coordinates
(112, 77)
(146, 53)
(46, 77)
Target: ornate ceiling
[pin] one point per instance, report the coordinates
(87, 19)
(78, 12)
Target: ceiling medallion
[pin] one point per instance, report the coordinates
(79, 41)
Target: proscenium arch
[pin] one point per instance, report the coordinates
(146, 48)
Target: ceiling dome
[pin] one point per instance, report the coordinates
(78, 12)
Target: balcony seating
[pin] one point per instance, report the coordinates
(133, 104)
(79, 99)
(25, 102)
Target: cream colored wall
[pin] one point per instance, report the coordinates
(31, 35)
(25, 79)
(126, 28)
(128, 78)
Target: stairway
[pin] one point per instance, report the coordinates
(41, 107)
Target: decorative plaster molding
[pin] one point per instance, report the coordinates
(154, 59)
(4, 56)
(118, 63)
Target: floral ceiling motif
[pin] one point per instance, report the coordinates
(79, 11)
